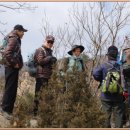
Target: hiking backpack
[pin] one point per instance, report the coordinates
(31, 63)
(111, 83)
(3, 45)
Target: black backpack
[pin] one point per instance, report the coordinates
(31, 64)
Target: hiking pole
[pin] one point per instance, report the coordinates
(121, 70)
(122, 79)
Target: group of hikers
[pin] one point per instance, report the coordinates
(108, 74)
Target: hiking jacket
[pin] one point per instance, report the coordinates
(70, 64)
(75, 62)
(13, 51)
(99, 74)
(43, 59)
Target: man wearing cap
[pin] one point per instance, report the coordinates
(111, 103)
(44, 61)
(14, 63)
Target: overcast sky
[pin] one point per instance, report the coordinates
(57, 13)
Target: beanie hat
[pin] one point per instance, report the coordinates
(112, 51)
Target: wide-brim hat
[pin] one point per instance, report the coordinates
(74, 47)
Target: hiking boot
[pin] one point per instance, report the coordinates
(7, 115)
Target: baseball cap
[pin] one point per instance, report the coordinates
(20, 28)
(50, 38)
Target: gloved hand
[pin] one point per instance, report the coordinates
(49, 58)
(53, 60)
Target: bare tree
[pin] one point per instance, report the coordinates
(116, 19)
(94, 26)
(99, 27)
(14, 6)
(63, 34)
(91, 23)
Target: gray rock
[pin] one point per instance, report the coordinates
(33, 123)
(4, 123)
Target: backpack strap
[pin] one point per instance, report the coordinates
(43, 50)
(81, 61)
(110, 66)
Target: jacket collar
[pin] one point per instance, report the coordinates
(48, 49)
(13, 34)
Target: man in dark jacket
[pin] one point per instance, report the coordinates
(110, 102)
(14, 63)
(44, 61)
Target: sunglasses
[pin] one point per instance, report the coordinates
(51, 42)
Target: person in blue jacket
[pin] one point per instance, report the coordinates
(111, 103)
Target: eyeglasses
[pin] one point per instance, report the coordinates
(51, 42)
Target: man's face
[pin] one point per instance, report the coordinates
(77, 52)
(127, 53)
(49, 44)
(20, 34)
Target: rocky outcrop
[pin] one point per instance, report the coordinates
(4, 123)
(26, 84)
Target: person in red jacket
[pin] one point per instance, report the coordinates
(14, 63)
